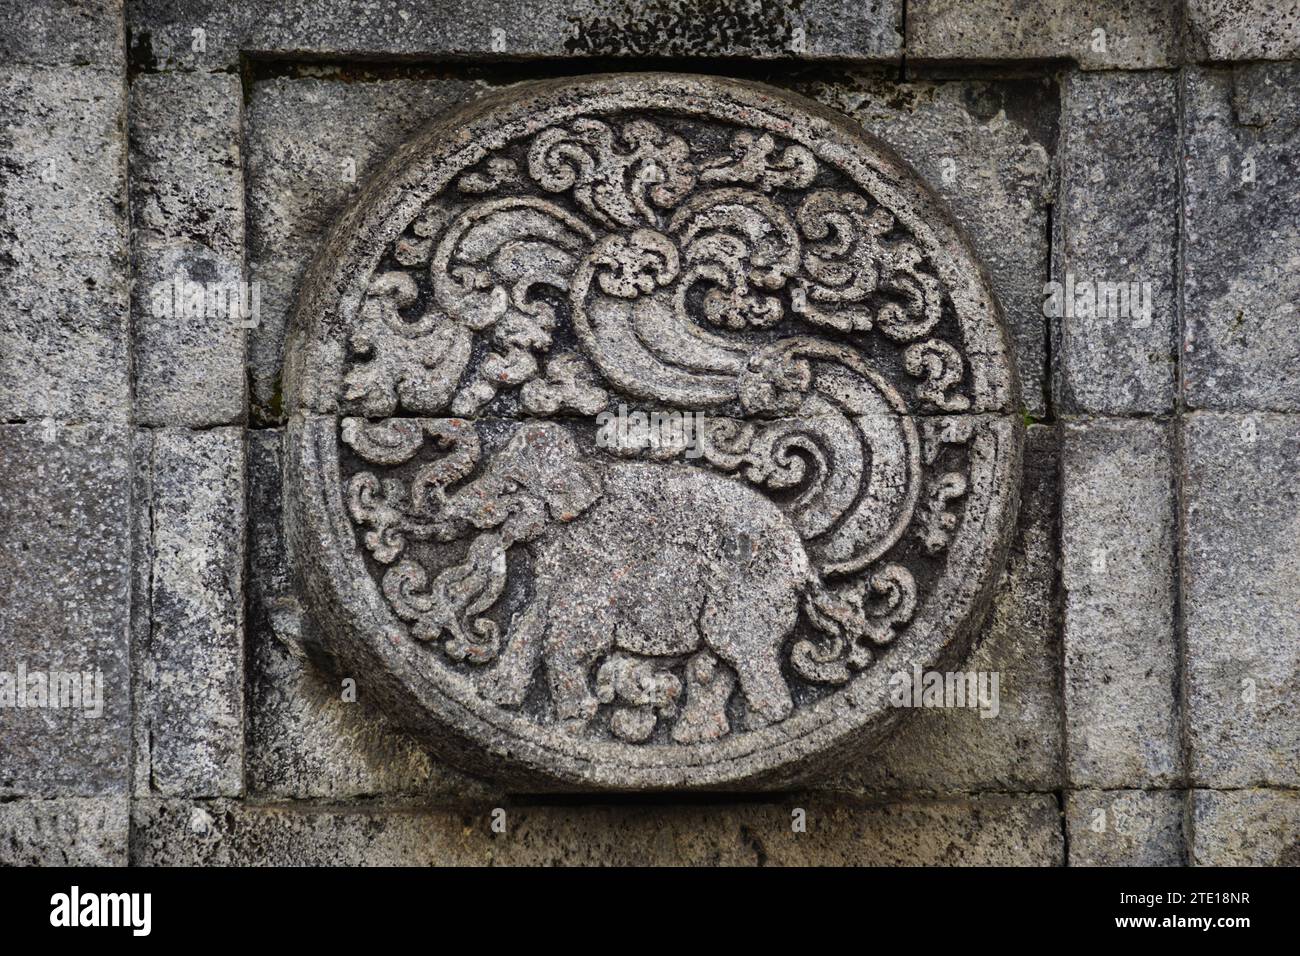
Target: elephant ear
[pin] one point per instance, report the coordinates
(572, 491)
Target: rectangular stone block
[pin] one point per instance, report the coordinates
(64, 832)
(63, 33)
(1243, 29)
(165, 37)
(1240, 295)
(1018, 746)
(1245, 828)
(986, 148)
(1107, 34)
(1241, 598)
(310, 735)
(142, 554)
(63, 302)
(990, 830)
(310, 143)
(194, 668)
(65, 563)
(1114, 302)
(191, 303)
(1117, 570)
(1126, 827)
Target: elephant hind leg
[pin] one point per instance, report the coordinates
(708, 688)
(751, 644)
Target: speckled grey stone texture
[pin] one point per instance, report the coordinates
(1136, 34)
(187, 210)
(63, 303)
(1117, 572)
(1243, 29)
(163, 30)
(64, 832)
(1241, 574)
(63, 33)
(1240, 348)
(981, 831)
(192, 677)
(1117, 223)
(1245, 828)
(1126, 827)
(65, 560)
(1040, 141)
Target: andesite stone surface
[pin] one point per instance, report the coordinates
(1143, 625)
(1117, 572)
(1115, 307)
(164, 31)
(991, 830)
(65, 560)
(1126, 827)
(1240, 350)
(1241, 575)
(64, 311)
(554, 592)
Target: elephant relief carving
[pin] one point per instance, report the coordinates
(496, 363)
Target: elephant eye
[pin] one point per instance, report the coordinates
(510, 487)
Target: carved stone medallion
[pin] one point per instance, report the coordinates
(644, 428)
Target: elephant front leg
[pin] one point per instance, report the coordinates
(570, 653)
(509, 681)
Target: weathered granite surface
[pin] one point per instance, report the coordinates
(1243, 29)
(65, 560)
(1117, 573)
(191, 681)
(64, 324)
(1245, 828)
(1104, 34)
(1126, 827)
(980, 831)
(191, 306)
(1241, 577)
(1115, 308)
(69, 831)
(139, 534)
(64, 33)
(163, 31)
(1240, 350)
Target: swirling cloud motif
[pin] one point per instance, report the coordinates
(416, 363)
(756, 161)
(487, 270)
(742, 245)
(852, 265)
(614, 180)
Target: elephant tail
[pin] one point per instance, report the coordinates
(854, 618)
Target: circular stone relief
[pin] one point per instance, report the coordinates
(645, 428)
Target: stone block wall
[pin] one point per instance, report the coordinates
(1147, 627)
